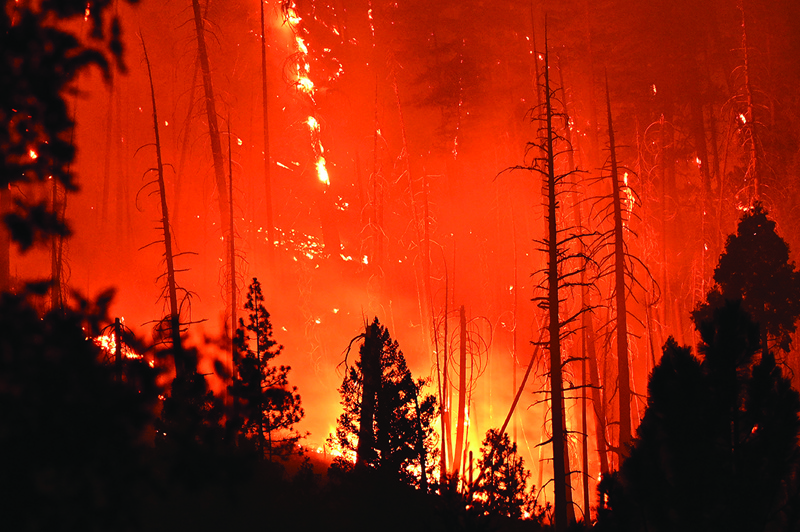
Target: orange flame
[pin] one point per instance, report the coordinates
(322, 171)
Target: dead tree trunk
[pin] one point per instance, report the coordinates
(551, 302)
(620, 289)
(267, 167)
(211, 112)
(232, 262)
(370, 370)
(172, 290)
(462, 391)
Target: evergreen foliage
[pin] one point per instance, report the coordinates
(755, 268)
(717, 448)
(267, 406)
(403, 417)
(502, 488)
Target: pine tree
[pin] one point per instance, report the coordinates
(502, 487)
(402, 419)
(717, 448)
(268, 407)
(755, 268)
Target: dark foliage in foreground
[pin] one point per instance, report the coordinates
(72, 437)
(717, 448)
(83, 448)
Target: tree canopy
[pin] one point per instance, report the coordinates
(717, 447)
(403, 417)
(268, 407)
(755, 267)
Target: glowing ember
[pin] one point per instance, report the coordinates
(322, 171)
(32, 154)
(305, 85)
(742, 118)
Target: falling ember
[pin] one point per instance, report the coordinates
(653, 88)
(698, 161)
(742, 118)
(87, 12)
(32, 154)
(322, 171)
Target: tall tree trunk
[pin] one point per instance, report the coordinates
(462, 390)
(232, 262)
(211, 112)
(370, 372)
(623, 369)
(267, 164)
(559, 437)
(172, 291)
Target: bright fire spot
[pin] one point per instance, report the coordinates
(32, 154)
(742, 118)
(653, 88)
(336, 311)
(312, 123)
(239, 141)
(305, 84)
(698, 161)
(291, 15)
(108, 344)
(302, 45)
(365, 260)
(322, 172)
(166, 123)
(87, 12)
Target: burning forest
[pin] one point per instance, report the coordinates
(502, 264)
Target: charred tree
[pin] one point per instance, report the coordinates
(173, 319)
(620, 293)
(559, 276)
(232, 258)
(267, 167)
(588, 354)
(462, 391)
(211, 111)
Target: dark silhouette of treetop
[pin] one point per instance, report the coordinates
(399, 438)
(268, 406)
(717, 447)
(502, 487)
(755, 267)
